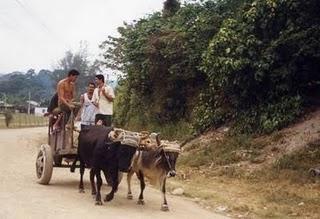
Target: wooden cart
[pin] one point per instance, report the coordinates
(60, 151)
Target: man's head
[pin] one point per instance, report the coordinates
(99, 79)
(73, 74)
(91, 87)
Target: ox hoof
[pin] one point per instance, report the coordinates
(164, 208)
(98, 202)
(72, 169)
(129, 196)
(140, 202)
(108, 198)
(81, 190)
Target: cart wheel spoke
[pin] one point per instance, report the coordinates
(40, 160)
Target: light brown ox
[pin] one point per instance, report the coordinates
(156, 164)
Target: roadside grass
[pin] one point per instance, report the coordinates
(170, 131)
(283, 189)
(228, 150)
(300, 161)
(245, 198)
(21, 120)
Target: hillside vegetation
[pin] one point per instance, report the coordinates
(254, 64)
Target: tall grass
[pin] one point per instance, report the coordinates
(301, 160)
(171, 131)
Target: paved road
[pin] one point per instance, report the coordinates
(22, 197)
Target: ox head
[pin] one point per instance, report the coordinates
(149, 141)
(170, 152)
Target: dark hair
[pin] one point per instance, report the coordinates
(91, 83)
(73, 72)
(100, 77)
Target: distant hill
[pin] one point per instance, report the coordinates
(6, 76)
(18, 85)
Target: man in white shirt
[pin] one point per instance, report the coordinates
(88, 110)
(103, 97)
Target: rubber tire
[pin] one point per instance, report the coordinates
(46, 159)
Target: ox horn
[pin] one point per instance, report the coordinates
(112, 135)
(117, 132)
(156, 136)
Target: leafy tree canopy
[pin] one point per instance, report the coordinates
(254, 64)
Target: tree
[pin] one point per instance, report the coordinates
(170, 7)
(77, 60)
(249, 62)
(160, 61)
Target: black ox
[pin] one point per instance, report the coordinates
(102, 148)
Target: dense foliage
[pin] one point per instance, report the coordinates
(249, 63)
(160, 58)
(261, 63)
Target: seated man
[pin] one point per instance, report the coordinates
(52, 113)
(52, 105)
(66, 94)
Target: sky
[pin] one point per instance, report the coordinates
(37, 33)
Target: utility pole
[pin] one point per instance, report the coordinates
(29, 103)
(5, 101)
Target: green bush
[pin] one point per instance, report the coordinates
(259, 66)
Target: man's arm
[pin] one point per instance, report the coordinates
(108, 93)
(73, 92)
(78, 117)
(95, 97)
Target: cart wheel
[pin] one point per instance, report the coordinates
(44, 164)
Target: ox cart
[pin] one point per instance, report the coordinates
(60, 150)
